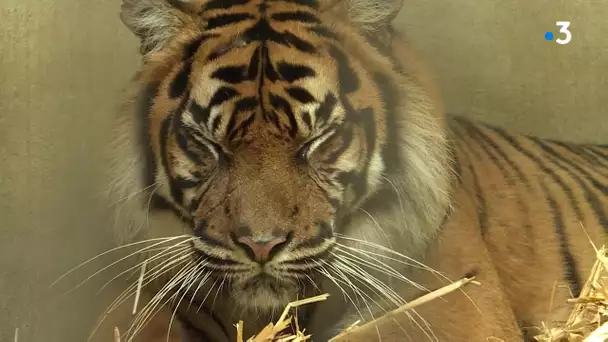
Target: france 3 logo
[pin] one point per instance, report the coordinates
(564, 30)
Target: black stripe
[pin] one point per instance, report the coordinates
(457, 163)
(254, 65)
(269, 71)
(243, 128)
(262, 31)
(145, 103)
(544, 168)
(172, 122)
(481, 205)
(300, 94)
(164, 137)
(293, 72)
(227, 19)
(231, 74)
(367, 121)
(596, 150)
(549, 150)
(280, 103)
(244, 104)
(391, 152)
(465, 138)
(222, 95)
(289, 39)
(475, 131)
(300, 16)
(347, 136)
(182, 143)
(590, 197)
(579, 150)
(323, 31)
(326, 108)
(180, 82)
(570, 269)
(314, 4)
(347, 77)
(191, 48)
(200, 113)
(497, 163)
(223, 4)
(306, 119)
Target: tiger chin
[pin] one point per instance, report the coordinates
(277, 149)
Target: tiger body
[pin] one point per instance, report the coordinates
(307, 126)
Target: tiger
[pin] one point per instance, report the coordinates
(289, 148)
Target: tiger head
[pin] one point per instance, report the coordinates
(264, 125)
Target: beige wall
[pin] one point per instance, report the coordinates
(494, 64)
(63, 63)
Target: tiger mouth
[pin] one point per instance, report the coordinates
(266, 281)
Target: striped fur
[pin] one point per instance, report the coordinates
(309, 119)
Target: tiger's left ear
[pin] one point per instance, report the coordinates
(156, 22)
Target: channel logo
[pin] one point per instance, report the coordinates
(563, 29)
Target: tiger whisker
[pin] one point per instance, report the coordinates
(164, 252)
(312, 282)
(130, 291)
(148, 206)
(112, 264)
(356, 289)
(218, 291)
(418, 264)
(377, 226)
(384, 290)
(206, 296)
(369, 254)
(114, 250)
(379, 266)
(166, 267)
(385, 249)
(397, 192)
(150, 309)
(369, 281)
(195, 274)
(133, 194)
(200, 284)
(345, 294)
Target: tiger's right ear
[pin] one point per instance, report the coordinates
(156, 22)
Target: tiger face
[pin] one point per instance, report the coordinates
(265, 130)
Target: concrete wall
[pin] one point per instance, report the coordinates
(63, 63)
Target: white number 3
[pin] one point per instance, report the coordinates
(563, 25)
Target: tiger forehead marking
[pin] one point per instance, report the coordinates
(242, 76)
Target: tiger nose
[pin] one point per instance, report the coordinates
(261, 249)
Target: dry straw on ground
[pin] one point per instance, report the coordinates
(272, 332)
(588, 321)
